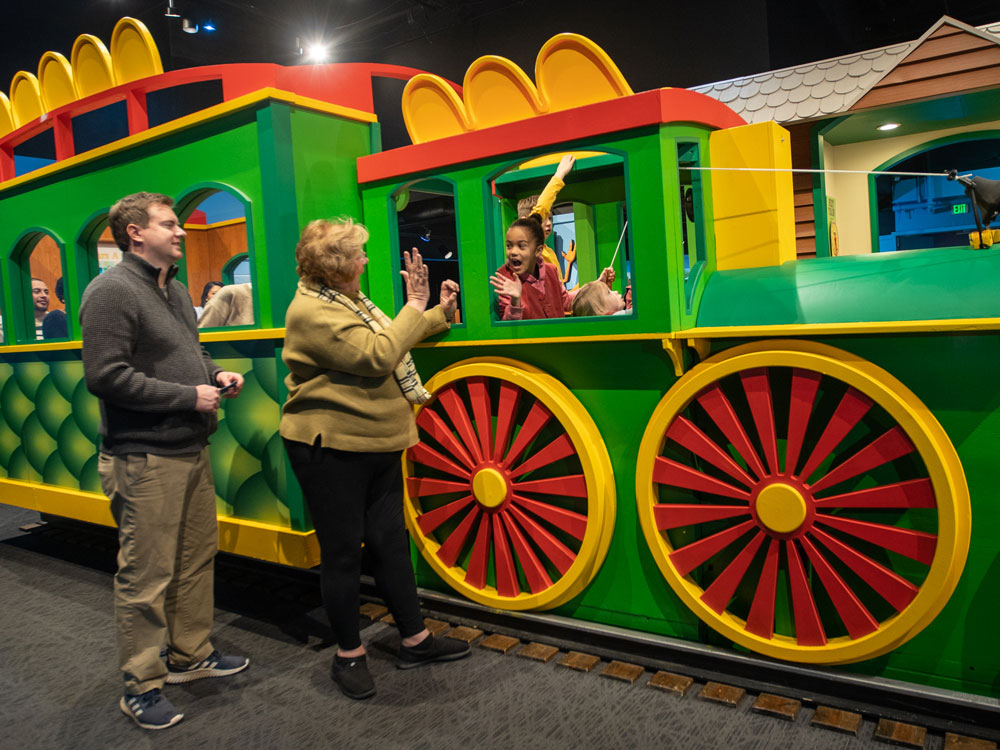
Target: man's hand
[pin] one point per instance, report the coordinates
(208, 399)
(225, 379)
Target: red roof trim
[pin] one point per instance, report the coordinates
(648, 108)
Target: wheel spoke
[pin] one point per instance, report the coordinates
(424, 486)
(884, 449)
(430, 520)
(808, 627)
(758, 391)
(574, 524)
(558, 553)
(456, 410)
(504, 560)
(534, 571)
(718, 595)
(431, 422)
(475, 574)
(805, 384)
(913, 493)
(479, 395)
(690, 556)
(852, 407)
(421, 453)
(715, 403)
(558, 449)
(510, 397)
(852, 612)
(893, 588)
(686, 433)
(449, 551)
(761, 619)
(537, 418)
(917, 545)
(674, 516)
(669, 472)
(574, 485)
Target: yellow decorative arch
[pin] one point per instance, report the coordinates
(432, 109)
(571, 71)
(91, 63)
(25, 98)
(496, 91)
(55, 77)
(133, 52)
(6, 116)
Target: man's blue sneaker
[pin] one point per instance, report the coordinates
(216, 665)
(150, 710)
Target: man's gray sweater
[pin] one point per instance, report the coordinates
(142, 359)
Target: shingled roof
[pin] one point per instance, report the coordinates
(820, 89)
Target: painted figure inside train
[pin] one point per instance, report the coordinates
(782, 451)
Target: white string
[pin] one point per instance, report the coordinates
(612, 263)
(818, 171)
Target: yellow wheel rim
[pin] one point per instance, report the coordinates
(510, 493)
(781, 470)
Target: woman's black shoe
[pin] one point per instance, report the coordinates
(430, 650)
(351, 674)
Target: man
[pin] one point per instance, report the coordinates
(55, 325)
(159, 392)
(40, 300)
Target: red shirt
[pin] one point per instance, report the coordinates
(542, 296)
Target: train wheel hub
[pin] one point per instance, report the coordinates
(780, 508)
(489, 487)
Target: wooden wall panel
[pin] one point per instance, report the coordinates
(47, 265)
(207, 251)
(802, 187)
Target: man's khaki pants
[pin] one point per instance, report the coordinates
(168, 535)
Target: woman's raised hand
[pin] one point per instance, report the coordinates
(449, 298)
(418, 291)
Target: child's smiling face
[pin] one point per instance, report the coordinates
(523, 252)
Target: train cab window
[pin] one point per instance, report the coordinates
(34, 153)
(425, 220)
(586, 235)
(217, 242)
(691, 216)
(43, 306)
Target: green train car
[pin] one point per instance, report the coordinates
(797, 454)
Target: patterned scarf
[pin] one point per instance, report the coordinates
(405, 372)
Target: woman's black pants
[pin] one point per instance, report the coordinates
(355, 498)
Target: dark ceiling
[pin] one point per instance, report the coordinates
(654, 43)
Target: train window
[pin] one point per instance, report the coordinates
(425, 219)
(40, 260)
(36, 152)
(692, 223)
(585, 236)
(217, 241)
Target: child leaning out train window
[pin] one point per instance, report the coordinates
(598, 298)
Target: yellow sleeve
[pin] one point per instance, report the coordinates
(548, 197)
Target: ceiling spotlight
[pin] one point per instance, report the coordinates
(208, 26)
(188, 26)
(171, 10)
(317, 52)
(888, 126)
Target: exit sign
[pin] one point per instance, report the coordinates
(960, 208)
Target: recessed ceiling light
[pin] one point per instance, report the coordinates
(889, 126)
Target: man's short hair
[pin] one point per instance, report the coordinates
(327, 250)
(133, 209)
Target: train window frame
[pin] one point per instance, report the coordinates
(184, 205)
(396, 249)
(696, 268)
(18, 321)
(496, 224)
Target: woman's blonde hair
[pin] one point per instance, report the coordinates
(592, 299)
(327, 249)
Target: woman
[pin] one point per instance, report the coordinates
(347, 420)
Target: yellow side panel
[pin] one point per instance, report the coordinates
(754, 210)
